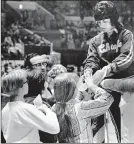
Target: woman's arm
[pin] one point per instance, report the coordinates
(119, 85)
(93, 60)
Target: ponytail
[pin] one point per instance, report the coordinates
(65, 134)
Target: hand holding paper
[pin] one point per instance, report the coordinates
(43, 108)
(38, 101)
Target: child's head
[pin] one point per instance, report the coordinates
(106, 15)
(55, 71)
(13, 82)
(64, 87)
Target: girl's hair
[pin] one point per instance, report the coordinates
(64, 88)
(105, 10)
(12, 81)
(56, 70)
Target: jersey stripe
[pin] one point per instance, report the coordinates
(129, 57)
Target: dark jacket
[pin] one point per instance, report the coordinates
(116, 50)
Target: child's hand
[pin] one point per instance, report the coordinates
(81, 85)
(43, 108)
(88, 78)
(38, 101)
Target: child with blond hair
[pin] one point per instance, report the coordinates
(21, 121)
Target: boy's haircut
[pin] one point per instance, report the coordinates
(12, 81)
(105, 10)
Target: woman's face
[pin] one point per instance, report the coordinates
(105, 25)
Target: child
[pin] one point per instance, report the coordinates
(74, 116)
(21, 121)
(55, 71)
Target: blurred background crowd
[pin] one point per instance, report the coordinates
(63, 26)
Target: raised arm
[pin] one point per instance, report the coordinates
(96, 107)
(100, 104)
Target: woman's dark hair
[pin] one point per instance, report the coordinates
(105, 10)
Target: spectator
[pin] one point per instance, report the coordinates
(48, 60)
(34, 61)
(36, 67)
